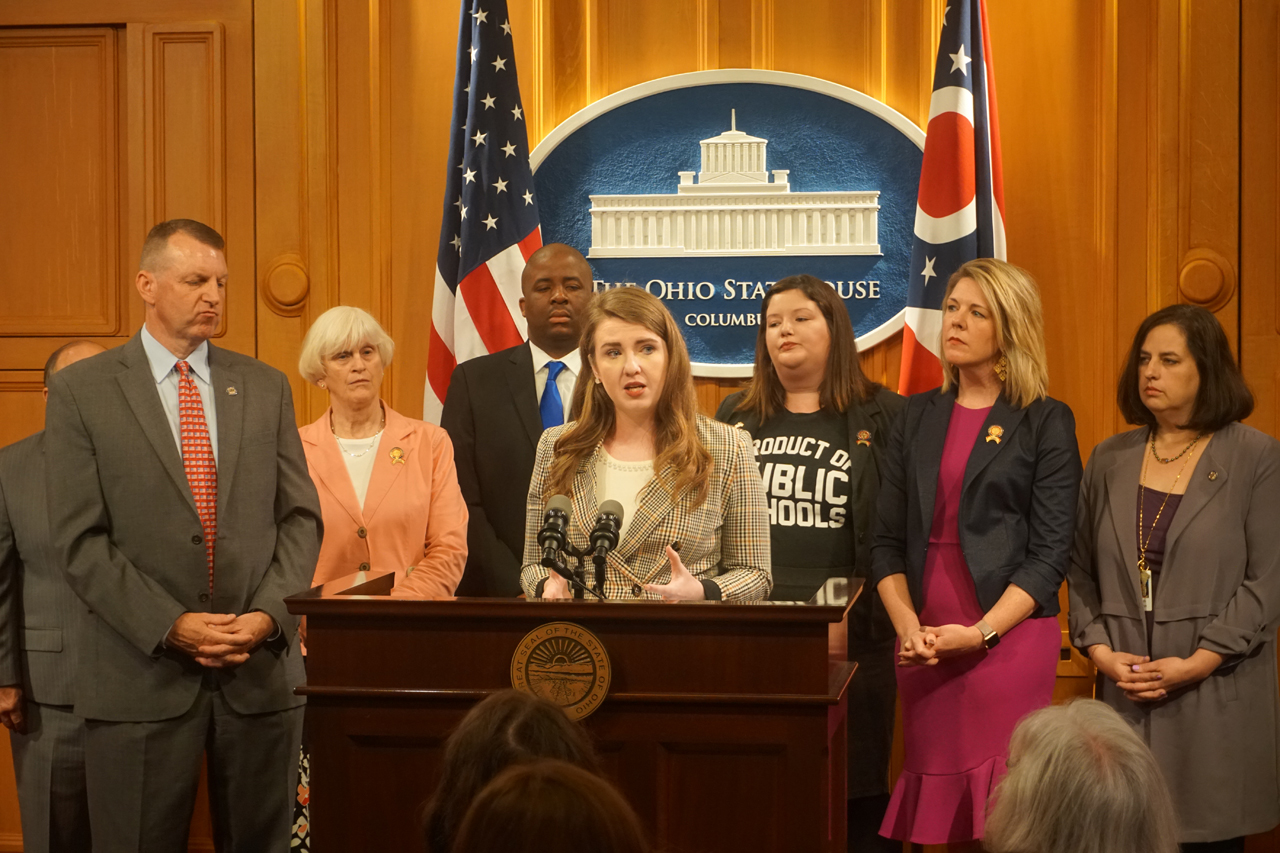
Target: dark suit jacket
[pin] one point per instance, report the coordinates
(870, 623)
(491, 415)
(38, 611)
(1018, 505)
(126, 529)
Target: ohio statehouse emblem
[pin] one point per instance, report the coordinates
(706, 188)
(564, 663)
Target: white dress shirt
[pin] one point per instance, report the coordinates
(567, 379)
(163, 368)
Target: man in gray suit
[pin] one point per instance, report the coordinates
(183, 512)
(37, 650)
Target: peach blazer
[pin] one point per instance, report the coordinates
(414, 520)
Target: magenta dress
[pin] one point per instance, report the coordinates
(958, 715)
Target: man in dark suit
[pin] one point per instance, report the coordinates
(499, 404)
(37, 650)
(183, 513)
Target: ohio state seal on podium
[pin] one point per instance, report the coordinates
(564, 663)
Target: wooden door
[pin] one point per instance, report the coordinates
(116, 116)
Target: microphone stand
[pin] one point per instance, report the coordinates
(600, 561)
(577, 576)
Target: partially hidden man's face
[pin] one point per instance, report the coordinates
(187, 289)
(80, 351)
(557, 290)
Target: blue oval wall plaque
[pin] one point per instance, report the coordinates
(705, 188)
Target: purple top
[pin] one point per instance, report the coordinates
(1157, 529)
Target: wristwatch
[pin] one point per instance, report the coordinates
(990, 639)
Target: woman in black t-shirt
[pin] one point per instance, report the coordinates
(818, 424)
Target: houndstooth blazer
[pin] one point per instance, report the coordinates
(725, 540)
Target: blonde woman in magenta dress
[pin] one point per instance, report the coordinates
(977, 508)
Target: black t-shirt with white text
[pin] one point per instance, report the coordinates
(804, 461)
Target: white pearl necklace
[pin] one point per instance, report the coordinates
(373, 442)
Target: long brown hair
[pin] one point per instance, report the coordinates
(508, 728)
(843, 382)
(549, 807)
(683, 464)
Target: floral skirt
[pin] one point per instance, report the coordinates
(300, 838)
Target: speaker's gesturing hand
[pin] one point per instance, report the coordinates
(683, 586)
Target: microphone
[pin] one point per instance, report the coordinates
(559, 568)
(604, 538)
(555, 525)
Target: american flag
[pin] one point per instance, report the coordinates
(490, 223)
(960, 209)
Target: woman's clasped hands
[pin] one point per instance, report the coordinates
(925, 646)
(1145, 680)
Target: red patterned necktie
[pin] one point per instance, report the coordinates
(197, 459)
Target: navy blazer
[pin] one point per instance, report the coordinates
(1018, 504)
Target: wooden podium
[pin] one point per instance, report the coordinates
(724, 724)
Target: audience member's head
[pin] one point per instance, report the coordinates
(550, 807)
(507, 728)
(1080, 781)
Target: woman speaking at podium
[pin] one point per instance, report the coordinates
(680, 476)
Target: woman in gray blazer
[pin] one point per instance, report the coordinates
(1175, 578)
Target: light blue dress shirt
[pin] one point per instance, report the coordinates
(164, 369)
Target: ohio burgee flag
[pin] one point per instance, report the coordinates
(960, 208)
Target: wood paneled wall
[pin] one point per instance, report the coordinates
(1141, 158)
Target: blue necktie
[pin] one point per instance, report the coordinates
(552, 407)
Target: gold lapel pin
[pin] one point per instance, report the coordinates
(231, 391)
(397, 456)
(1213, 475)
(994, 433)
(864, 438)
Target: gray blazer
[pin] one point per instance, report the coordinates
(1219, 589)
(38, 611)
(126, 528)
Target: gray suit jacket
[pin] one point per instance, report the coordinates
(126, 528)
(1219, 589)
(38, 611)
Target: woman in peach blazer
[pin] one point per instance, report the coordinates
(388, 488)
